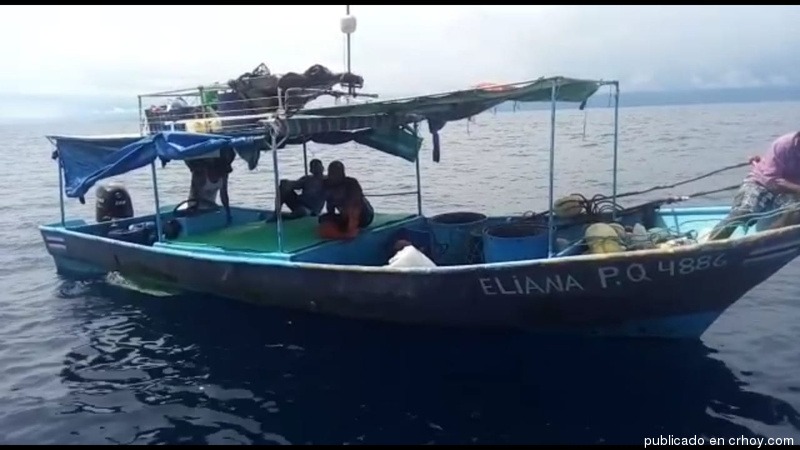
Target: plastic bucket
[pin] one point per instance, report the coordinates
(515, 242)
(419, 238)
(451, 236)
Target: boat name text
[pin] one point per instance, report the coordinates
(606, 276)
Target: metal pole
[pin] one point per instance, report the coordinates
(416, 163)
(141, 122)
(158, 204)
(350, 89)
(202, 102)
(616, 140)
(61, 191)
(278, 202)
(347, 11)
(159, 230)
(550, 224)
(305, 158)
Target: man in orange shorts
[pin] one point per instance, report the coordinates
(348, 210)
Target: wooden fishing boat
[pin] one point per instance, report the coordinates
(491, 272)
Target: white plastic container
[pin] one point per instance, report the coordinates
(409, 256)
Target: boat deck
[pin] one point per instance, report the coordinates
(702, 219)
(262, 237)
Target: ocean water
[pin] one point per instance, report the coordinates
(103, 362)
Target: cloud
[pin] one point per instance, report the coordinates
(96, 54)
(654, 46)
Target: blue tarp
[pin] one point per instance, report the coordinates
(89, 160)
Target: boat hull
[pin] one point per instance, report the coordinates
(676, 294)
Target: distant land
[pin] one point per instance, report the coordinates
(651, 98)
(72, 109)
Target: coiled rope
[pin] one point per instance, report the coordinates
(600, 204)
(605, 204)
(672, 232)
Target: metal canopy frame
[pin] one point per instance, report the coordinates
(551, 229)
(273, 131)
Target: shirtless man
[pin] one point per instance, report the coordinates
(312, 196)
(210, 179)
(347, 209)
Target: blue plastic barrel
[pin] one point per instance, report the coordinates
(451, 236)
(515, 242)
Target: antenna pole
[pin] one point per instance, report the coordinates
(347, 11)
(348, 26)
(350, 89)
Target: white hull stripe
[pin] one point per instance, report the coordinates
(785, 254)
(54, 239)
(774, 248)
(57, 247)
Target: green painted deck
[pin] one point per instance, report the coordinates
(298, 234)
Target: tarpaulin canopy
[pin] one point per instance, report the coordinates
(381, 125)
(459, 105)
(87, 160)
(438, 109)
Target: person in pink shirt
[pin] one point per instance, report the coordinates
(773, 183)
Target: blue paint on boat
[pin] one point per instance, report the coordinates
(348, 279)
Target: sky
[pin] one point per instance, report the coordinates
(61, 59)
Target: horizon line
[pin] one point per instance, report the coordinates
(396, 94)
(109, 112)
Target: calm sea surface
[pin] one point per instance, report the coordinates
(104, 363)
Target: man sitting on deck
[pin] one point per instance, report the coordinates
(209, 178)
(348, 210)
(773, 183)
(312, 198)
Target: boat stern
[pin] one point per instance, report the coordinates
(56, 242)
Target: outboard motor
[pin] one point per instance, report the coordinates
(113, 202)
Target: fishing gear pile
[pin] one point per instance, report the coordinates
(602, 212)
